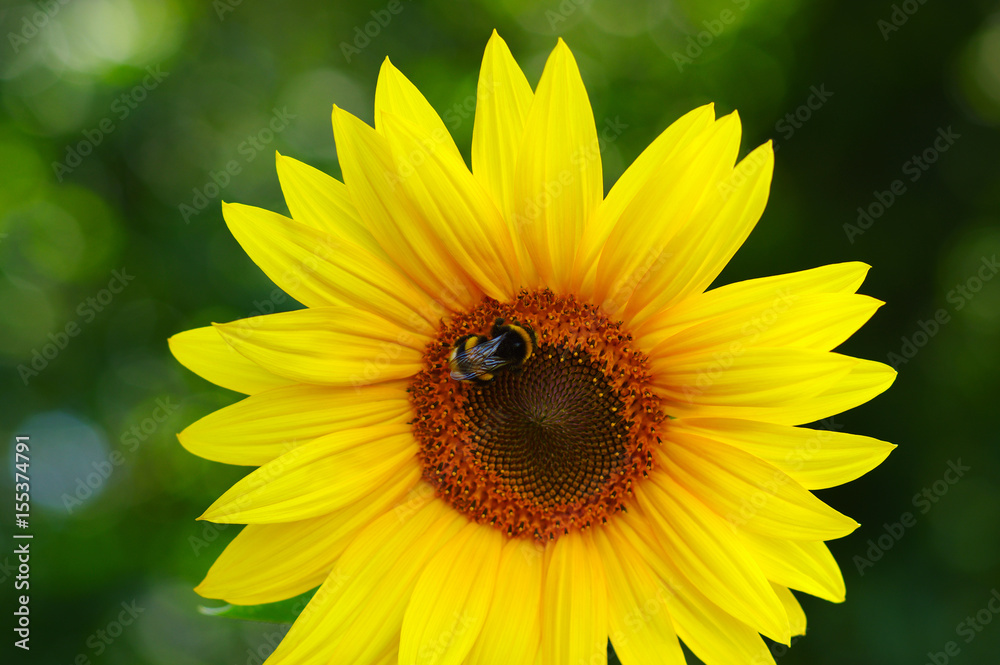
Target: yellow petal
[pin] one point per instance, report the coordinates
(865, 380)
(319, 269)
(674, 139)
(503, 98)
(736, 380)
(699, 251)
(395, 94)
(804, 565)
(391, 657)
(796, 617)
(323, 203)
(638, 617)
(663, 209)
(465, 220)
(511, 632)
(260, 566)
(574, 603)
(836, 278)
(748, 492)
(559, 182)
(815, 459)
(369, 614)
(819, 321)
(319, 477)
(714, 635)
(705, 550)
(356, 615)
(453, 594)
(259, 428)
(374, 184)
(336, 346)
(204, 352)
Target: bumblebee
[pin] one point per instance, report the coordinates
(479, 358)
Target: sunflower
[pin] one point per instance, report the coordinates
(635, 472)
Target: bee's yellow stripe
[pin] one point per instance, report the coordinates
(527, 339)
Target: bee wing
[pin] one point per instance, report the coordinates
(484, 355)
(480, 359)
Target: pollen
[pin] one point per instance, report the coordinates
(553, 445)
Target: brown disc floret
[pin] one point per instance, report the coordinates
(547, 446)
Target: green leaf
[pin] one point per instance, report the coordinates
(284, 611)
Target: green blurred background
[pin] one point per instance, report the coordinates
(121, 116)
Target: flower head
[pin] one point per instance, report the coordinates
(627, 464)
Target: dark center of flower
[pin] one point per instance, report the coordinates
(551, 433)
(543, 447)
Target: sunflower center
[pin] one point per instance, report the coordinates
(551, 433)
(546, 446)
